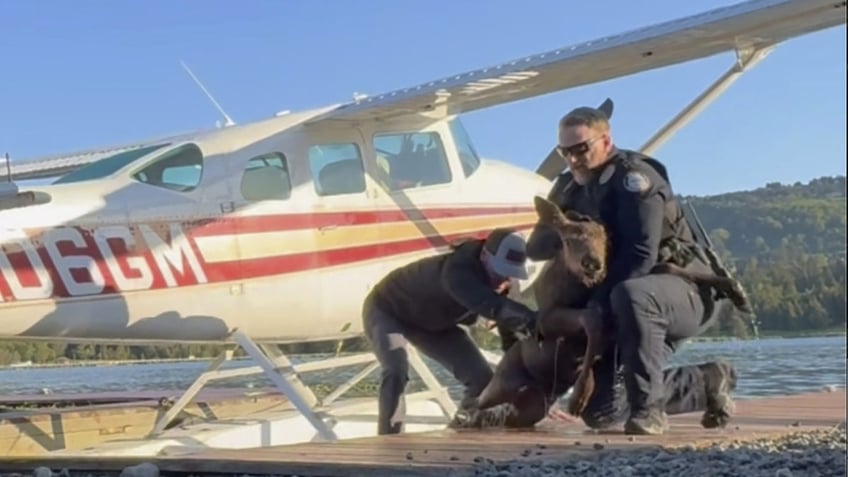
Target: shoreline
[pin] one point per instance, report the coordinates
(132, 362)
(774, 335)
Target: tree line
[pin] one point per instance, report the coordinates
(785, 243)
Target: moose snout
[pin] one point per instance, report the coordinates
(591, 265)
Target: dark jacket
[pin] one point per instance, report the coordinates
(633, 198)
(439, 292)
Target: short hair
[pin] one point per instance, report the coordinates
(585, 116)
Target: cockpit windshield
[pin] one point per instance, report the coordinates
(107, 166)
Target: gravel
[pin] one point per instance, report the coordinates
(810, 454)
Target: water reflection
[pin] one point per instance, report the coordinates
(766, 367)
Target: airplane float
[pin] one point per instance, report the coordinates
(274, 231)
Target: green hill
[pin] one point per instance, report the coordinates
(808, 218)
(787, 245)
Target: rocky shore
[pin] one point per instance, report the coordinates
(810, 454)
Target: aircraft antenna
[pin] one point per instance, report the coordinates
(228, 121)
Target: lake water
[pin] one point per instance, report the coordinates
(766, 367)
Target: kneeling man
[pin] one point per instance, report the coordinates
(424, 303)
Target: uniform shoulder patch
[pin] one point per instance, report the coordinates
(607, 174)
(638, 182)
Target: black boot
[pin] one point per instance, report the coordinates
(652, 422)
(499, 417)
(719, 379)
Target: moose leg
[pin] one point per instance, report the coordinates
(507, 381)
(584, 386)
(507, 400)
(562, 322)
(608, 405)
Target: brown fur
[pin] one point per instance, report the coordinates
(584, 256)
(534, 372)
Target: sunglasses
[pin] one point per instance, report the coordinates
(576, 149)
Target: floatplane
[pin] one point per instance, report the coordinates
(273, 231)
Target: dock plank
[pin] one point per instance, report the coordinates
(38, 431)
(450, 453)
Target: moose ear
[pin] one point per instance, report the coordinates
(574, 216)
(548, 212)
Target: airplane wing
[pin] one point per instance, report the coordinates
(752, 24)
(63, 163)
(749, 25)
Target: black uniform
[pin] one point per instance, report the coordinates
(423, 302)
(650, 314)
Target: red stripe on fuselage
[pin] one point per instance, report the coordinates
(298, 262)
(314, 220)
(237, 269)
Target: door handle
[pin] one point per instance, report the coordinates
(325, 228)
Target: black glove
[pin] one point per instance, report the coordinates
(518, 318)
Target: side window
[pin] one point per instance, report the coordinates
(266, 177)
(179, 169)
(464, 148)
(412, 159)
(337, 169)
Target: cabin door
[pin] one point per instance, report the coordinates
(276, 280)
(345, 228)
(419, 190)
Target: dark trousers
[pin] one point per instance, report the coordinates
(452, 348)
(684, 387)
(652, 314)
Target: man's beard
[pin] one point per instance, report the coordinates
(582, 175)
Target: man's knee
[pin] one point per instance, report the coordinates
(632, 299)
(390, 348)
(395, 364)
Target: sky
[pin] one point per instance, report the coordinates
(78, 75)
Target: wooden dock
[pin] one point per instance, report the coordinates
(456, 453)
(76, 421)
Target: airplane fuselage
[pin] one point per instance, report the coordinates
(276, 229)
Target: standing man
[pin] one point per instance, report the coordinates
(647, 316)
(425, 301)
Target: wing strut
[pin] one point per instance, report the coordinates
(321, 414)
(745, 60)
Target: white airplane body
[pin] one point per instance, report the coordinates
(252, 245)
(279, 228)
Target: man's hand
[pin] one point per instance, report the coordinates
(503, 288)
(518, 318)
